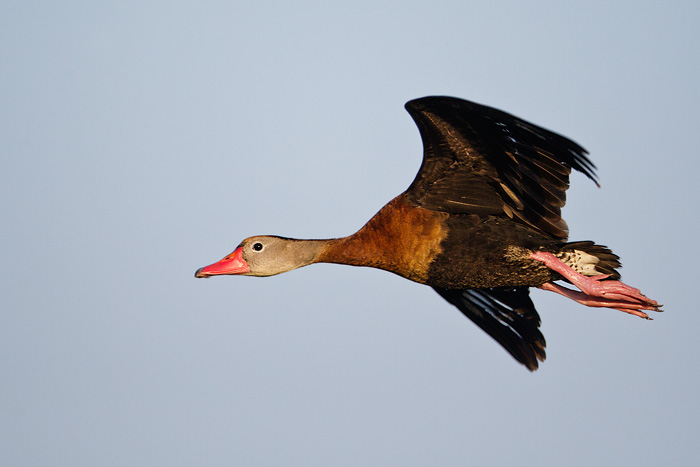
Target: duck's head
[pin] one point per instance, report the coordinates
(264, 255)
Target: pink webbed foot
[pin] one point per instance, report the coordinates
(596, 292)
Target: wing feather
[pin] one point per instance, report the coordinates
(480, 160)
(506, 314)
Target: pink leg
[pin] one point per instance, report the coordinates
(591, 301)
(595, 291)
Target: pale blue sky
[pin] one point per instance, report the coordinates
(140, 141)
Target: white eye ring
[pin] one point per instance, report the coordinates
(257, 246)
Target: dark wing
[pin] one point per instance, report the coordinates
(481, 160)
(508, 315)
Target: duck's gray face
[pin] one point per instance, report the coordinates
(259, 256)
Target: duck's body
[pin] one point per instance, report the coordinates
(480, 224)
(454, 251)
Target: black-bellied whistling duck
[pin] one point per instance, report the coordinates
(481, 223)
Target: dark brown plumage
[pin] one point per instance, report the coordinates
(481, 223)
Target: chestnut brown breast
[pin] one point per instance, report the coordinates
(401, 238)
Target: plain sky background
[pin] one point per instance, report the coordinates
(142, 140)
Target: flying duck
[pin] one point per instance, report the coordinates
(481, 224)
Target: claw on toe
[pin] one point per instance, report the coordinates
(641, 314)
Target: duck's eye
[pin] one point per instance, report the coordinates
(257, 246)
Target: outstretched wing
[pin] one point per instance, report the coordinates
(506, 314)
(480, 160)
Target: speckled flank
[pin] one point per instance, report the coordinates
(400, 238)
(580, 261)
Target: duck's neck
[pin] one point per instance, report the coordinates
(351, 250)
(369, 246)
(357, 249)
